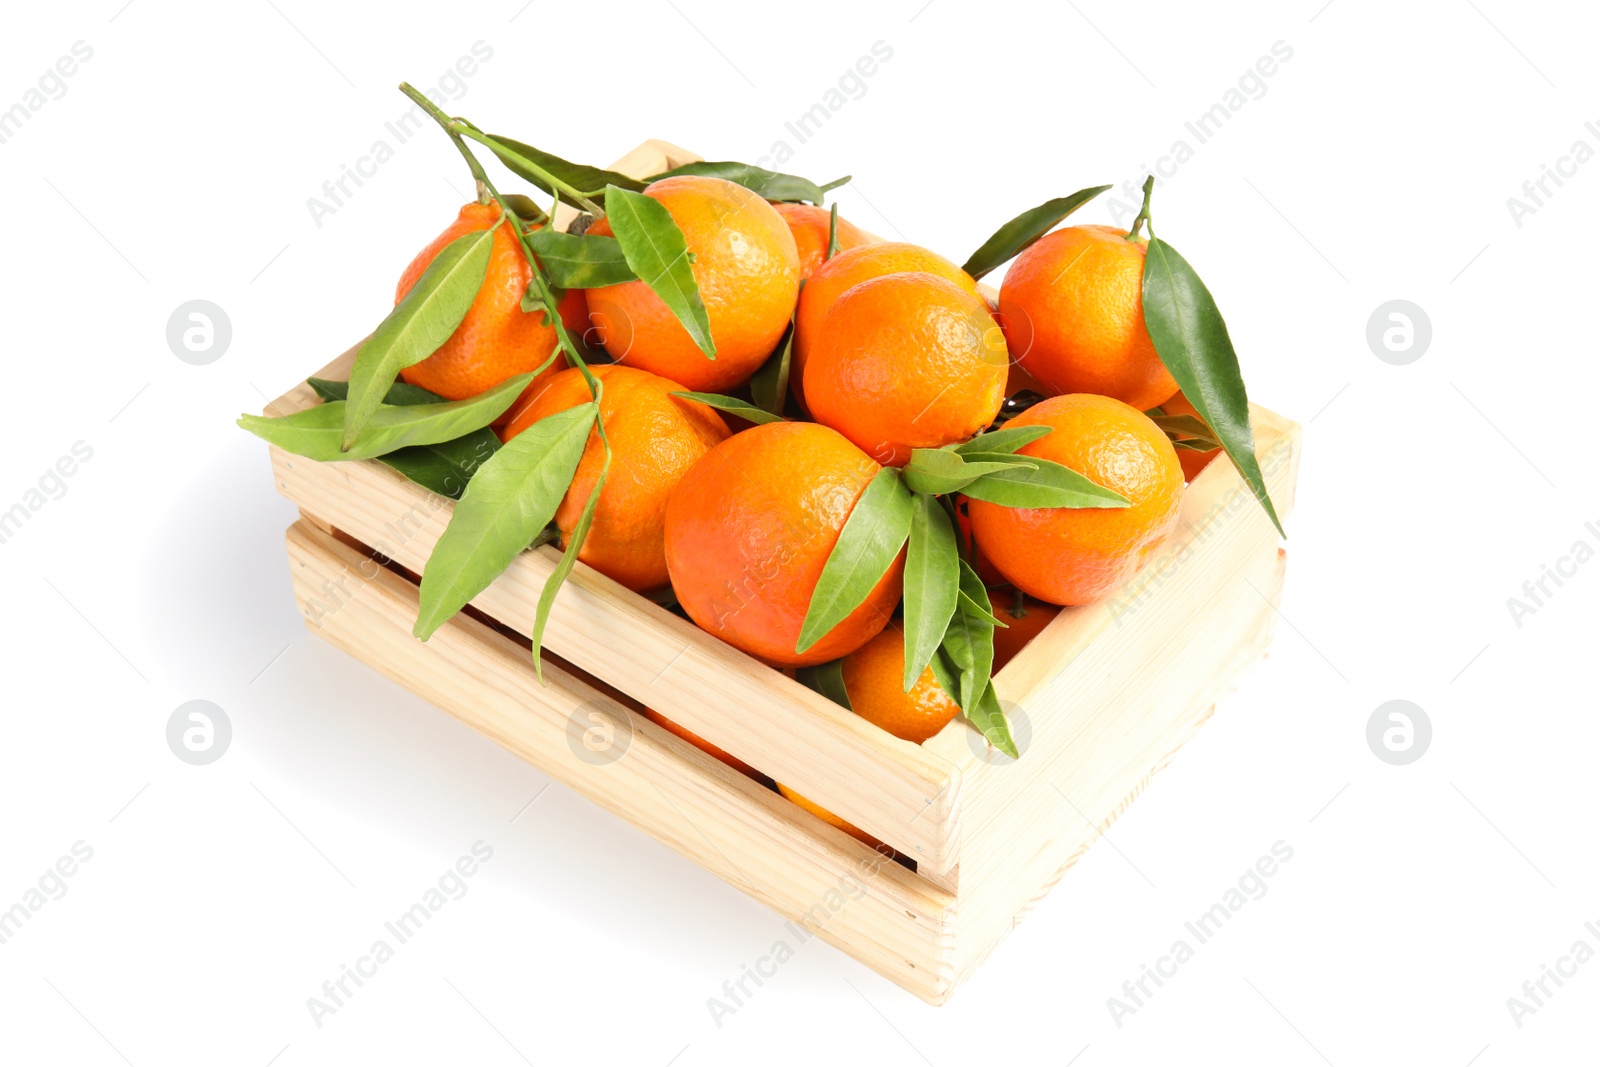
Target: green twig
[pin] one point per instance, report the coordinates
(443, 120)
(1143, 218)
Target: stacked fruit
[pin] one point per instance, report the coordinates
(729, 399)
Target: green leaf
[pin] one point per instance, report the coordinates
(1196, 444)
(569, 559)
(511, 499)
(768, 184)
(400, 394)
(947, 674)
(656, 250)
(316, 432)
(867, 547)
(733, 406)
(516, 156)
(980, 608)
(1184, 424)
(940, 470)
(417, 326)
(1192, 340)
(970, 640)
(769, 386)
(833, 232)
(1005, 440)
(990, 720)
(585, 262)
(827, 679)
(444, 468)
(932, 579)
(525, 208)
(1026, 228)
(1050, 485)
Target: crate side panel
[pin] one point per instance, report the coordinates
(759, 843)
(895, 790)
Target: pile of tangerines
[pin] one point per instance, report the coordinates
(853, 421)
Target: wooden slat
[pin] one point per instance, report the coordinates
(747, 835)
(897, 791)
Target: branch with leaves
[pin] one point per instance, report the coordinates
(509, 493)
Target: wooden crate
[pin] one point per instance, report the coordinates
(1101, 700)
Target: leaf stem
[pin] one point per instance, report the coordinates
(1143, 218)
(433, 112)
(555, 183)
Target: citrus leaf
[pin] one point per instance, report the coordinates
(400, 394)
(656, 250)
(833, 232)
(417, 326)
(827, 679)
(1005, 440)
(1026, 228)
(1196, 444)
(1192, 340)
(970, 640)
(1050, 485)
(317, 432)
(569, 559)
(448, 467)
(867, 547)
(516, 156)
(931, 583)
(733, 406)
(444, 468)
(586, 262)
(947, 674)
(1184, 424)
(981, 609)
(511, 499)
(939, 470)
(769, 386)
(768, 184)
(989, 718)
(525, 208)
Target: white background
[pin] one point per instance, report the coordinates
(1376, 166)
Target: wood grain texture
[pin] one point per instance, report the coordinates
(823, 880)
